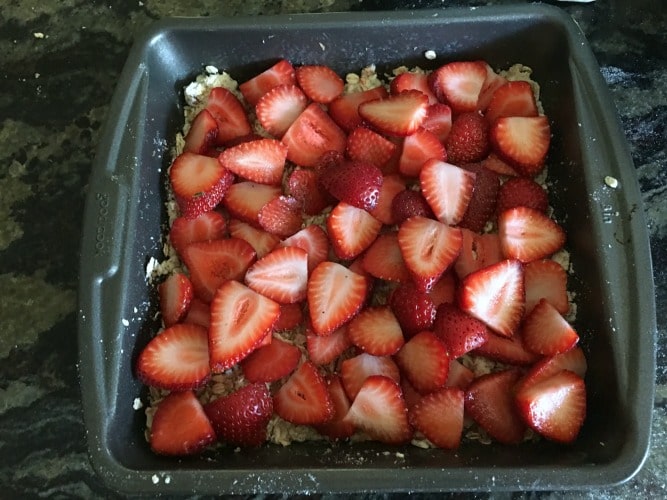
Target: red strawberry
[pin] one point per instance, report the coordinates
(314, 241)
(322, 350)
(376, 331)
(244, 200)
(344, 109)
(281, 216)
(522, 141)
(199, 183)
(492, 162)
(468, 139)
(392, 185)
(439, 416)
(261, 241)
(459, 84)
(379, 410)
(396, 115)
(175, 295)
(438, 120)
(205, 227)
(335, 294)
(573, 360)
(280, 73)
(460, 332)
(384, 259)
(492, 82)
(410, 394)
(240, 319)
(241, 418)
(482, 205)
(353, 182)
(414, 310)
(555, 407)
(418, 147)
(337, 428)
(429, 248)
(279, 107)
(229, 114)
(522, 192)
(281, 275)
(312, 134)
(447, 189)
(546, 332)
(489, 401)
(180, 426)
(199, 313)
(424, 362)
(202, 135)
(410, 81)
(495, 295)
(526, 234)
(303, 185)
(364, 145)
(508, 350)
(444, 289)
(320, 83)
(354, 371)
(546, 279)
(408, 204)
(290, 317)
(512, 99)
(459, 376)
(477, 251)
(304, 399)
(261, 161)
(271, 362)
(351, 230)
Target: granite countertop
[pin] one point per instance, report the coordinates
(59, 61)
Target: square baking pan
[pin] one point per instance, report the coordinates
(607, 237)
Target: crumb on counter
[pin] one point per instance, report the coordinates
(610, 181)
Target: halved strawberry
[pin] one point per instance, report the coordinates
(495, 295)
(410, 394)
(241, 418)
(199, 183)
(546, 279)
(199, 313)
(409, 203)
(303, 185)
(384, 259)
(262, 242)
(460, 332)
(262, 160)
(282, 72)
(379, 410)
(304, 399)
(281, 275)
(412, 81)
(281, 216)
(279, 107)
(337, 428)
(367, 146)
(459, 375)
(376, 331)
(546, 332)
(522, 192)
(245, 199)
(468, 139)
(229, 114)
(444, 289)
(397, 115)
(175, 294)
(314, 241)
(482, 204)
(522, 141)
(180, 426)
(459, 84)
(438, 120)
(447, 189)
(323, 349)
(351, 230)
(352, 182)
(320, 83)
(418, 147)
(207, 226)
(335, 294)
(391, 186)
(344, 109)
(512, 99)
(508, 350)
(202, 135)
(354, 371)
(414, 310)
(526, 234)
(429, 248)
(439, 416)
(424, 362)
(477, 251)
(495, 164)
(271, 362)
(573, 360)
(240, 319)
(492, 82)
(291, 316)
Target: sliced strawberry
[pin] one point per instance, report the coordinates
(482, 205)
(262, 160)
(199, 313)
(320, 83)
(418, 147)
(202, 135)
(522, 141)
(354, 371)
(460, 332)
(262, 241)
(291, 316)
(271, 362)
(281, 216)
(495, 295)
(337, 428)
(322, 350)
(459, 375)
(546, 279)
(414, 310)
(573, 360)
(376, 331)
(508, 350)
(397, 115)
(555, 407)
(408, 204)
(477, 251)
(199, 183)
(429, 248)
(438, 120)
(344, 109)
(444, 290)
(468, 140)
(384, 259)
(546, 332)
(245, 199)
(351, 230)
(241, 418)
(281, 275)
(489, 401)
(280, 73)
(175, 294)
(447, 189)
(392, 185)
(495, 164)
(207, 226)
(180, 426)
(279, 107)
(304, 399)
(312, 134)
(424, 362)
(240, 319)
(410, 394)
(522, 192)
(526, 234)
(412, 81)
(335, 294)
(229, 114)
(314, 241)
(439, 416)
(492, 82)
(303, 185)
(355, 183)
(512, 99)
(366, 146)
(379, 410)
(459, 84)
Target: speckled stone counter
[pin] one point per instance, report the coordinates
(59, 61)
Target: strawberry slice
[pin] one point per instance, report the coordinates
(384, 259)
(176, 359)
(175, 294)
(304, 399)
(207, 226)
(573, 360)
(546, 332)
(447, 189)
(468, 140)
(337, 428)
(396, 115)
(482, 204)
(477, 251)
(303, 185)
(546, 279)
(180, 426)
(391, 186)
(444, 289)
(522, 192)
(344, 109)
(439, 416)
(279, 107)
(438, 120)
(522, 141)
(355, 183)
(495, 296)
(459, 375)
(312, 134)
(335, 294)
(241, 418)
(364, 145)
(354, 371)
(555, 407)
(379, 410)
(202, 135)
(414, 310)
(291, 316)
(409, 203)
(412, 81)
(245, 199)
(418, 147)
(282, 72)
(492, 82)
(199, 313)
(281, 275)
(424, 362)
(261, 161)
(489, 401)
(351, 230)
(322, 350)
(376, 331)
(526, 234)
(410, 394)
(314, 241)
(281, 216)
(211, 263)
(492, 162)
(271, 362)
(320, 83)
(459, 84)
(460, 332)
(512, 99)
(199, 183)
(507, 350)
(240, 319)
(229, 114)
(429, 248)
(261, 241)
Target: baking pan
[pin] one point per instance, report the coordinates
(607, 237)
